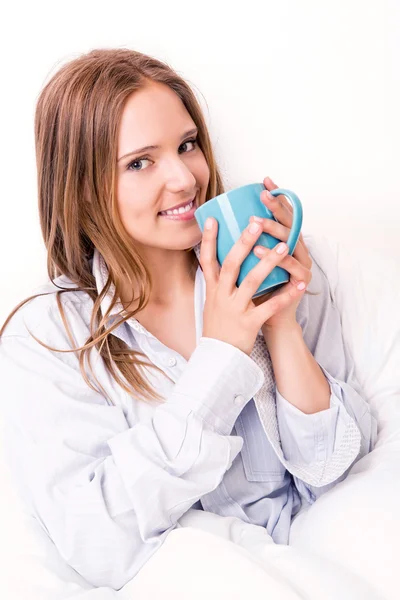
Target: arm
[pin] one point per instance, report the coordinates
(108, 493)
(317, 396)
(297, 374)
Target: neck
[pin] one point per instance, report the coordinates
(173, 274)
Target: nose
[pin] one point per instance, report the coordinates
(179, 177)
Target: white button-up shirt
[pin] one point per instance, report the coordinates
(108, 475)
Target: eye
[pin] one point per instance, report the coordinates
(136, 162)
(132, 166)
(193, 141)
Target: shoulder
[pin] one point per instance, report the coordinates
(40, 367)
(41, 314)
(36, 347)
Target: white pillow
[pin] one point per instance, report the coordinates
(356, 524)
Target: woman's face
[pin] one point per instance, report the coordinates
(158, 179)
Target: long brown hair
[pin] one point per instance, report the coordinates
(77, 117)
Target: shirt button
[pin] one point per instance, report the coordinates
(239, 400)
(172, 361)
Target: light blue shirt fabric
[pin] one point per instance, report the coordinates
(108, 475)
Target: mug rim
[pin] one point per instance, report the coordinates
(236, 189)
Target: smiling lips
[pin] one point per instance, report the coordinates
(183, 213)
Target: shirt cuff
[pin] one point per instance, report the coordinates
(314, 438)
(217, 383)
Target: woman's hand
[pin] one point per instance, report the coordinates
(229, 313)
(298, 265)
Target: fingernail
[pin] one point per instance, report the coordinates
(301, 286)
(281, 248)
(258, 219)
(260, 250)
(270, 196)
(208, 224)
(254, 228)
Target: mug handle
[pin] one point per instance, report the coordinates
(297, 216)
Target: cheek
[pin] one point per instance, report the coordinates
(132, 199)
(124, 192)
(128, 209)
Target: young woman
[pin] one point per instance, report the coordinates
(129, 380)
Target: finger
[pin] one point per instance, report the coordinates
(302, 255)
(282, 233)
(257, 274)
(288, 294)
(278, 205)
(297, 270)
(282, 211)
(208, 254)
(281, 198)
(273, 228)
(300, 252)
(279, 209)
(231, 265)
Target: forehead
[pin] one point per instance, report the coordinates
(151, 114)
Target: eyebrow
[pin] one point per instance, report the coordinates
(147, 148)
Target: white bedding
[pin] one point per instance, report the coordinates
(343, 546)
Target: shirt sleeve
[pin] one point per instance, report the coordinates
(324, 438)
(105, 492)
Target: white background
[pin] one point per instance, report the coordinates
(306, 92)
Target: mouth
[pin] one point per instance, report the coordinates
(183, 213)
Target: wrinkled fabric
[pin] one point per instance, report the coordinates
(108, 474)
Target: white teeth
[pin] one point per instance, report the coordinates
(178, 211)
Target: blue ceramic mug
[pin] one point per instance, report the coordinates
(233, 210)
